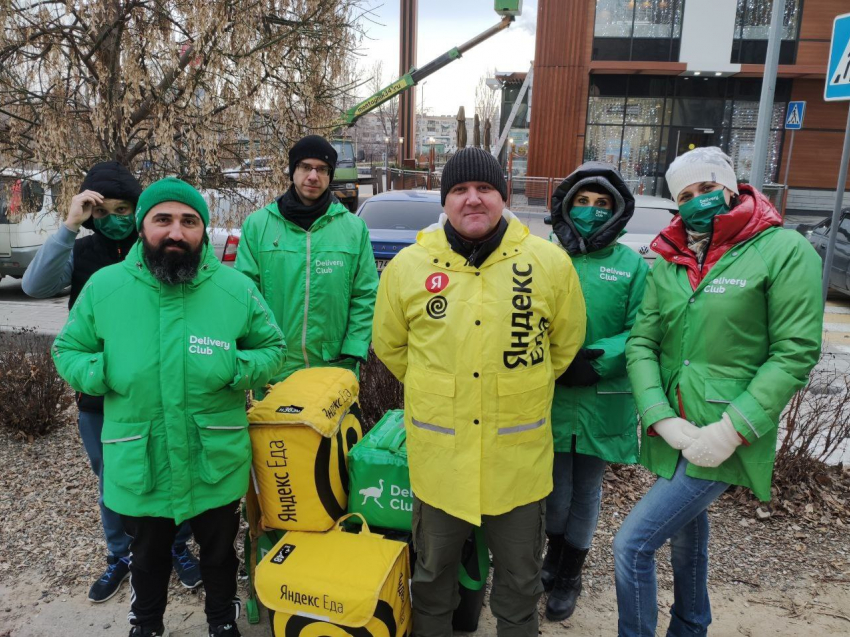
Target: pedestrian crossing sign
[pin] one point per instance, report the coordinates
(794, 117)
(838, 69)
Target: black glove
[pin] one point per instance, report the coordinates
(580, 373)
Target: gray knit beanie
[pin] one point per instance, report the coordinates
(472, 164)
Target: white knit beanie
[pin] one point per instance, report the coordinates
(698, 165)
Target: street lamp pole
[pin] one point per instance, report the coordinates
(398, 160)
(386, 153)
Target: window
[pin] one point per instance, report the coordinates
(639, 123)
(752, 28)
(637, 30)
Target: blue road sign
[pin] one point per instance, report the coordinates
(794, 116)
(838, 69)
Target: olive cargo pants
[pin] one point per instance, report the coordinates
(515, 539)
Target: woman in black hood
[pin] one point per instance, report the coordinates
(593, 414)
(105, 205)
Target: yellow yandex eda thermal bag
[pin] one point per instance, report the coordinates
(336, 584)
(301, 433)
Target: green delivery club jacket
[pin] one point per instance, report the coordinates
(741, 342)
(320, 284)
(602, 417)
(173, 363)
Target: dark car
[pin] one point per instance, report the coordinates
(818, 236)
(394, 218)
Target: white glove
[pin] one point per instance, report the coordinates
(677, 432)
(716, 443)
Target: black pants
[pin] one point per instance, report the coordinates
(150, 564)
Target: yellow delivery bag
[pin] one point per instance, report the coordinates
(301, 433)
(336, 584)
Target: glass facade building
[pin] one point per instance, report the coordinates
(641, 122)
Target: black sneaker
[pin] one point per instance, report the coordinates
(117, 570)
(147, 631)
(225, 630)
(187, 567)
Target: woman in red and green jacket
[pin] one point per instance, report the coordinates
(729, 329)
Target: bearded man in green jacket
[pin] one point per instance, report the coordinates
(313, 262)
(172, 340)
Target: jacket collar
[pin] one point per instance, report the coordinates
(135, 263)
(753, 214)
(334, 210)
(433, 239)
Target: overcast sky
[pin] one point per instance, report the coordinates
(444, 24)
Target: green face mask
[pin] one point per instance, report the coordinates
(116, 227)
(588, 219)
(698, 213)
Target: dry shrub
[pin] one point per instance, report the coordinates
(379, 391)
(33, 397)
(815, 426)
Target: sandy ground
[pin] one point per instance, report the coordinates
(27, 610)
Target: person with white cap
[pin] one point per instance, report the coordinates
(729, 329)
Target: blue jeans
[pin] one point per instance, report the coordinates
(572, 509)
(674, 509)
(117, 541)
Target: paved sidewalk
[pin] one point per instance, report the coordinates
(46, 316)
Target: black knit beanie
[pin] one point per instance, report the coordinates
(312, 147)
(472, 164)
(111, 180)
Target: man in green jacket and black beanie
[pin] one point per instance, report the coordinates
(313, 262)
(172, 340)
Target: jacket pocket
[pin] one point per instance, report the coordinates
(126, 456)
(225, 444)
(429, 407)
(616, 386)
(724, 390)
(525, 405)
(331, 351)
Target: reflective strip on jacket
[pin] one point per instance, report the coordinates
(741, 340)
(173, 363)
(477, 351)
(320, 284)
(603, 417)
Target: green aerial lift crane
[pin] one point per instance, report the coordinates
(344, 185)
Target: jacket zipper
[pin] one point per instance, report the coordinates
(306, 307)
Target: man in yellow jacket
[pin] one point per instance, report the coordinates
(477, 319)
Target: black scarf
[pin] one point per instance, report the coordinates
(476, 252)
(291, 207)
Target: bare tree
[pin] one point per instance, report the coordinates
(170, 86)
(388, 111)
(487, 103)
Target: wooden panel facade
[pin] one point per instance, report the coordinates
(408, 26)
(817, 148)
(562, 56)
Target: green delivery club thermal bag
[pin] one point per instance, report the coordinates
(379, 478)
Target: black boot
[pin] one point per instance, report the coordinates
(562, 600)
(554, 550)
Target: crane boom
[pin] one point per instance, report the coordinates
(414, 76)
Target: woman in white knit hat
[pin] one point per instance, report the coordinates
(729, 329)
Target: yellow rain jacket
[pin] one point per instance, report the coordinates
(478, 351)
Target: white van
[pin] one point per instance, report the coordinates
(27, 218)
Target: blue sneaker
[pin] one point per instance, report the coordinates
(117, 570)
(187, 567)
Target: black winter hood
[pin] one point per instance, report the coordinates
(112, 181)
(601, 174)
